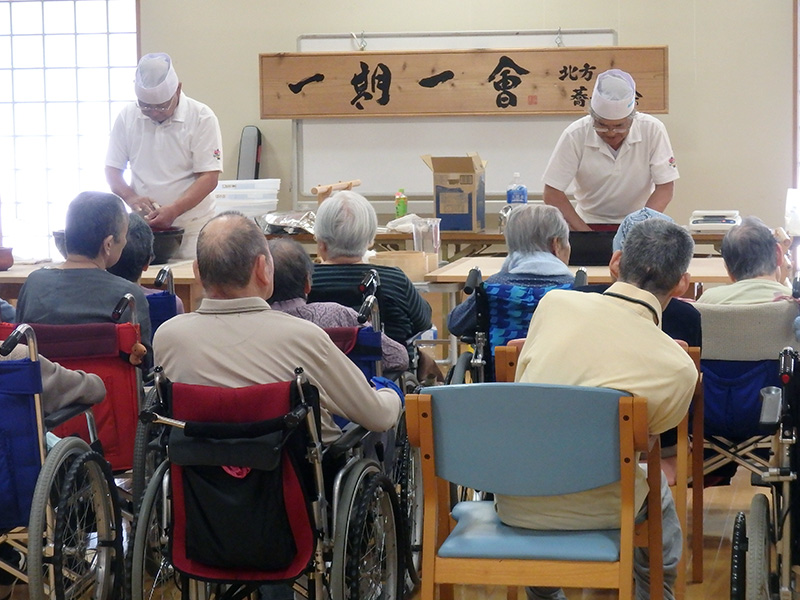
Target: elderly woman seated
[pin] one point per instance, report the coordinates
(345, 228)
(537, 237)
(81, 290)
(291, 284)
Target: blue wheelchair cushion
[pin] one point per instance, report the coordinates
(19, 440)
(163, 306)
(732, 400)
(479, 533)
(511, 308)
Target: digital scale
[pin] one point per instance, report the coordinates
(713, 221)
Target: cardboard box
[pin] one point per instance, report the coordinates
(459, 191)
(414, 264)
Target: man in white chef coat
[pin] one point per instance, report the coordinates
(173, 146)
(620, 160)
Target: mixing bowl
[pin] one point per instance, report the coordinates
(166, 243)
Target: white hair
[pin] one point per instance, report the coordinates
(346, 223)
(531, 228)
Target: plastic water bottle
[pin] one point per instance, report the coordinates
(517, 192)
(430, 334)
(400, 203)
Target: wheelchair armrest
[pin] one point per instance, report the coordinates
(771, 409)
(62, 415)
(350, 438)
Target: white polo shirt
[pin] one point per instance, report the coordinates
(164, 157)
(608, 188)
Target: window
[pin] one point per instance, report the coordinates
(66, 69)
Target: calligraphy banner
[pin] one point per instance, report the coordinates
(524, 81)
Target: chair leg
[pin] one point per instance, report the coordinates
(679, 494)
(512, 592)
(697, 489)
(445, 591)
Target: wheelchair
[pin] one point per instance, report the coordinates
(247, 496)
(391, 449)
(164, 304)
(108, 350)
(766, 541)
(366, 299)
(58, 507)
(503, 313)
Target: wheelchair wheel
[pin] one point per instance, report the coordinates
(353, 485)
(42, 520)
(462, 371)
(408, 483)
(759, 544)
(87, 541)
(738, 557)
(152, 575)
(147, 451)
(374, 569)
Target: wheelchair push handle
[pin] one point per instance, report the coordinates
(165, 277)
(581, 277)
(786, 364)
(126, 301)
(227, 431)
(473, 280)
(23, 329)
(367, 310)
(370, 282)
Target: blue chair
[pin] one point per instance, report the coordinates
(552, 440)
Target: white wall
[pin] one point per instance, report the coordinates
(730, 74)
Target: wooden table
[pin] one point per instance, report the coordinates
(702, 270)
(186, 287)
(459, 244)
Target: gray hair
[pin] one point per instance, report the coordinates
(749, 250)
(656, 255)
(91, 218)
(346, 223)
(225, 258)
(531, 228)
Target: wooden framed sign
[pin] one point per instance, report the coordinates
(521, 81)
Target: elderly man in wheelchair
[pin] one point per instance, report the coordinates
(236, 341)
(56, 491)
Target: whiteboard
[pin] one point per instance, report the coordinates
(384, 153)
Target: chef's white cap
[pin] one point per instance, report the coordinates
(156, 80)
(614, 95)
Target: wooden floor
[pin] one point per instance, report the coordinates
(721, 505)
